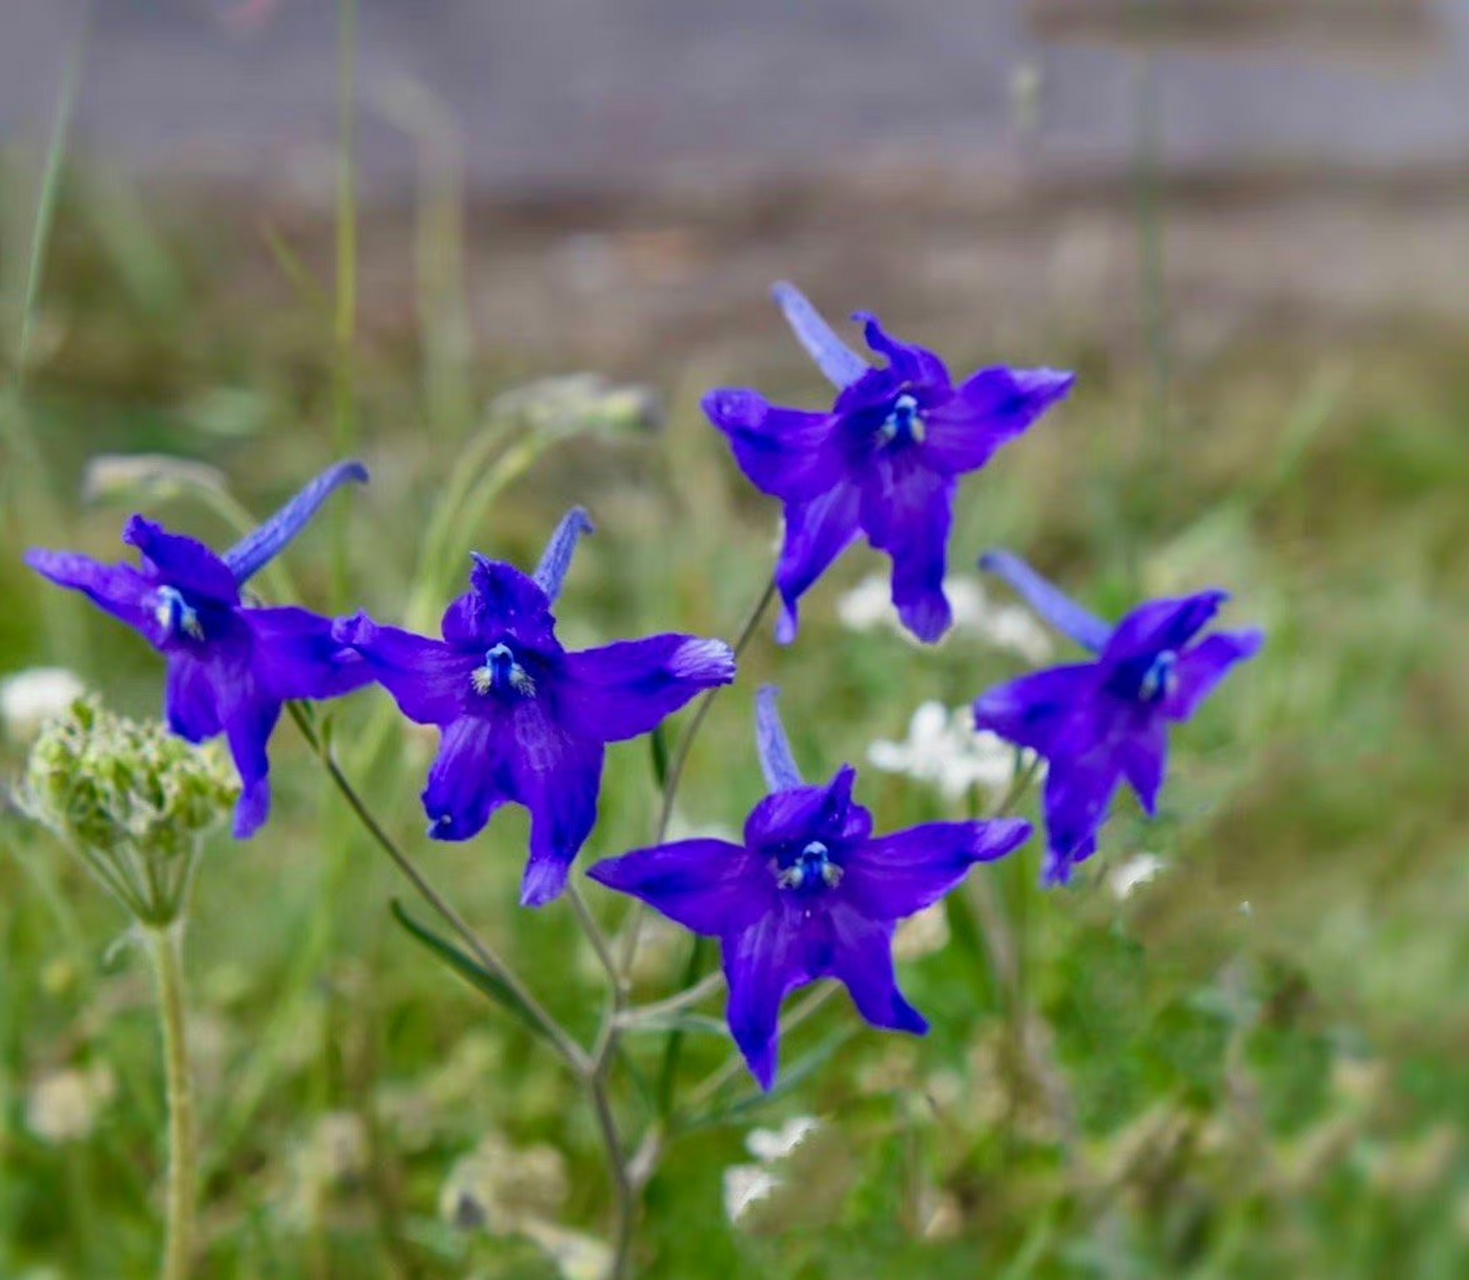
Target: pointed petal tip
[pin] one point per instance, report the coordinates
(544, 882)
(1002, 837)
(706, 661)
(1251, 641)
(1048, 384)
(928, 620)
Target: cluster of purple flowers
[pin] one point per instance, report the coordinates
(810, 892)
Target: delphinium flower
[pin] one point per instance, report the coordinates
(520, 718)
(1103, 721)
(884, 460)
(231, 666)
(809, 893)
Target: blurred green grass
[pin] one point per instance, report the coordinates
(1263, 1047)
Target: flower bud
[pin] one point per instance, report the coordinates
(131, 799)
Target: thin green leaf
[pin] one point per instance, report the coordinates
(480, 978)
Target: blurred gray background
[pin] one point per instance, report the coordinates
(623, 91)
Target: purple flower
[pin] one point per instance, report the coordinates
(885, 460)
(521, 719)
(810, 894)
(230, 666)
(1099, 722)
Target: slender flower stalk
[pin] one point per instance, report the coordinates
(165, 952)
(570, 1052)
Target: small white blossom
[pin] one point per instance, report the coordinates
(923, 934)
(1009, 627)
(63, 1105)
(746, 1185)
(769, 1145)
(943, 748)
(30, 698)
(1128, 876)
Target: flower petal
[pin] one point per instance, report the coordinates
(841, 365)
(816, 533)
(1058, 609)
(776, 760)
(1034, 710)
(182, 562)
(1078, 792)
(556, 559)
(248, 556)
(809, 813)
(992, 408)
(429, 680)
(501, 601)
(761, 964)
(1142, 753)
(123, 591)
(863, 961)
(898, 875)
(1205, 665)
(1159, 625)
(909, 363)
(189, 700)
(907, 511)
(710, 886)
(469, 780)
(786, 453)
(628, 689)
(296, 655)
(557, 777)
(249, 717)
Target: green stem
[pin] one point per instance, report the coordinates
(571, 1052)
(165, 949)
(680, 758)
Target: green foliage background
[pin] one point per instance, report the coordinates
(1257, 1059)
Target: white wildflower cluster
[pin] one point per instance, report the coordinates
(1008, 627)
(944, 749)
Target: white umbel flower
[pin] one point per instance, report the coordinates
(944, 749)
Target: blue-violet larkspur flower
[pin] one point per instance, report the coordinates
(230, 666)
(885, 460)
(521, 719)
(1099, 722)
(810, 894)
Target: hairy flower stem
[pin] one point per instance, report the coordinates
(571, 1053)
(165, 950)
